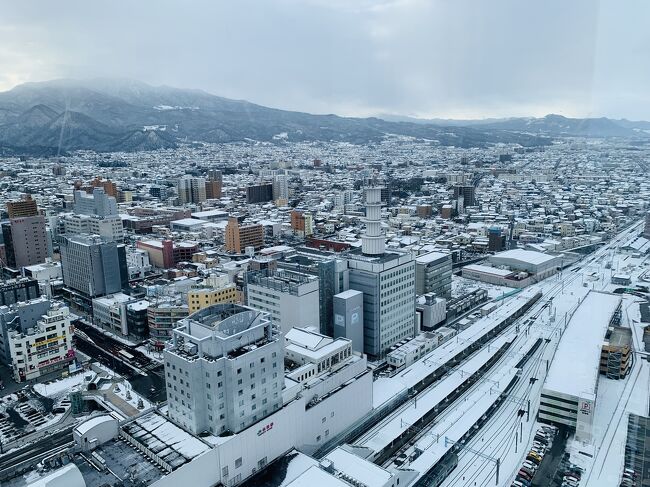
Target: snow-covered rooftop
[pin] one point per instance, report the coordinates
(574, 370)
(431, 257)
(174, 445)
(485, 269)
(529, 256)
(353, 466)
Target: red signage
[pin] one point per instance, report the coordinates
(263, 430)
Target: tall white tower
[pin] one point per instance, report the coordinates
(373, 241)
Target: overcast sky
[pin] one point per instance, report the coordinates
(425, 58)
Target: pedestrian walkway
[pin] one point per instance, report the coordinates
(119, 404)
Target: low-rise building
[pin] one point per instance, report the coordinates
(137, 261)
(417, 347)
(42, 348)
(44, 272)
(166, 254)
(213, 290)
(309, 354)
(162, 316)
(121, 314)
(616, 353)
(430, 311)
(16, 290)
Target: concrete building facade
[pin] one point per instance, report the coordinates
(224, 369)
(290, 298)
(191, 190)
(26, 241)
(92, 265)
(348, 317)
(433, 274)
(37, 345)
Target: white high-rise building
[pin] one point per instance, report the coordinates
(291, 298)
(95, 214)
(281, 187)
(224, 369)
(191, 190)
(387, 281)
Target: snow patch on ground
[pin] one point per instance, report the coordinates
(61, 386)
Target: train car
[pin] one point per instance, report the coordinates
(437, 475)
(126, 356)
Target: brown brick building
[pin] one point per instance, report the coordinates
(238, 237)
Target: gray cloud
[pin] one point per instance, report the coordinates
(413, 57)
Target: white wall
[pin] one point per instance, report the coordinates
(200, 472)
(292, 426)
(348, 406)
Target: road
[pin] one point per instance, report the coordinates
(144, 374)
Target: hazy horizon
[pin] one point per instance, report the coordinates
(410, 58)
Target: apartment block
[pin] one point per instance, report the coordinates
(238, 237)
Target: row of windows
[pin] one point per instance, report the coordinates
(554, 406)
(560, 399)
(557, 415)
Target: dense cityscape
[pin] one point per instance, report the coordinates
(324, 243)
(281, 313)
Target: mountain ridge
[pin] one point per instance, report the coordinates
(115, 114)
(551, 125)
